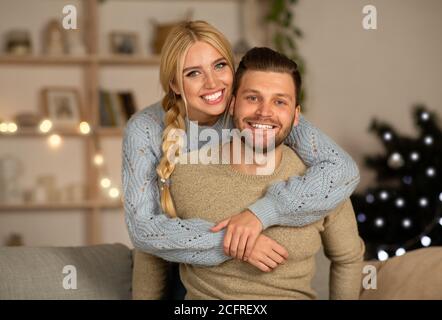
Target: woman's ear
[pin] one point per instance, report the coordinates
(297, 114)
(231, 105)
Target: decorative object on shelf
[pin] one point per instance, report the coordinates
(54, 38)
(27, 120)
(116, 108)
(46, 190)
(18, 42)
(74, 193)
(11, 169)
(75, 42)
(161, 30)
(14, 240)
(403, 211)
(123, 42)
(62, 105)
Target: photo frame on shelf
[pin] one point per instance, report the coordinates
(62, 105)
(124, 43)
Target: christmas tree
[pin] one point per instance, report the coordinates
(403, 211)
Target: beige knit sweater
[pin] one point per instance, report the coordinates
(214, 192)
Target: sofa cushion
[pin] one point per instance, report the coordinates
(102, 272)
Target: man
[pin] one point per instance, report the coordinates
(266, 93)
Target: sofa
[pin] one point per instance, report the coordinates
(105, 272)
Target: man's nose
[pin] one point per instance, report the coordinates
(264, 109)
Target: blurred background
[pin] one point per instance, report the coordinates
(66, 94)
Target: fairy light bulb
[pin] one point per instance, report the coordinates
(45, 126)
(55, 141)
(400, 252)
(105, 183)
(12, 127)
(114, 193)
(85, 128)
(425, 241)
(382, 255)
(3, 127)
(98, 159)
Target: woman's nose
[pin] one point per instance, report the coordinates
(211, 80)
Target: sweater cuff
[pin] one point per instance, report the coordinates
(266, 211)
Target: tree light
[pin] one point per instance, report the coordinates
(426, 241)
(428, 140)
(114, 193)
(414, 156)
(382, 255)
(400, 252)
(105, 183)
(388, 136)
(400, 202)
(3, 127)
(98, 159)
(379, 222)
(12, 127)
(406, 223)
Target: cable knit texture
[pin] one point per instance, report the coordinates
(299, 201)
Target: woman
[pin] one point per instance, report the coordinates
(200, 92)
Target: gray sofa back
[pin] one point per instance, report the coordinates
(92, 272)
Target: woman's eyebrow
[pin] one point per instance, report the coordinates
(196, 67)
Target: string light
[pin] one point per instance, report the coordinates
(379, 222)
(406, 223)
(423, 202)
(426, 241)
(430, 172)
(12, 127)
(98, 159)
(425, 116)
(369, 198)
(361, 217)
(440, 196)
(114, 193)
(382, 255)
(383, 195)
(440, 221)
(105, 183)
(45, 126)
(400, 252)
(85, 128)
(388, 136)
(428, 140)
(55, 141)
(400, 202)
(3, 127)
(414, 156)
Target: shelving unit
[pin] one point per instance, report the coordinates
(90, 65)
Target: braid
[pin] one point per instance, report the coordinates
(171, 147)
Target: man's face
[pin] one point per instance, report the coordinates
(265, 103)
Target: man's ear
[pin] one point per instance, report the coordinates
(297, 115)
(232, 105)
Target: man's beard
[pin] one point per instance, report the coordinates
(267, 146)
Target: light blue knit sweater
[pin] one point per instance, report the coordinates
(331, 178)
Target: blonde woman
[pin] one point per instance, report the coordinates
(196, 74)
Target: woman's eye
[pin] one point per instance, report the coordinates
(193, 74)
(220, 65)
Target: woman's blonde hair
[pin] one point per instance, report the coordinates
(173, 53)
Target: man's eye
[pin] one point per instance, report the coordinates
(280, 102)
(252, 98)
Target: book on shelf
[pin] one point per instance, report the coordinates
(116, 108)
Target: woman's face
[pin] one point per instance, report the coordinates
(207, 83)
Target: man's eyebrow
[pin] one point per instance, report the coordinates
(284, 95)
(196, 67)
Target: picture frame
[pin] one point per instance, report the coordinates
(62, 105)
(124, 43)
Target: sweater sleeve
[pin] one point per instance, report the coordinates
(345, 249)
(301, 200)
(173, 239)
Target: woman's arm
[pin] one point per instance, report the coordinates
(301, 200)
(186, 241)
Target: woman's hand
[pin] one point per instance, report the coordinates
(242, 232)
(267, 254)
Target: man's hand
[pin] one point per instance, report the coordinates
(267, 254)
(242, 232)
